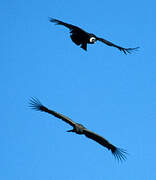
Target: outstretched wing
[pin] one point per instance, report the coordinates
(125, 50)
(69, 26)
(37, 105)
(118, 153)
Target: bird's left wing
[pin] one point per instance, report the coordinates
(117, 152)
(69, 26)
(37, 105)
(125, 50)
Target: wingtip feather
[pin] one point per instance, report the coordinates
(129, 50)
(35, 104)
(120, 154)
(57, 22)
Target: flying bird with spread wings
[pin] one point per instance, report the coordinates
(118, 153)
(82, 38)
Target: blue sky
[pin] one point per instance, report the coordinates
(105, 90)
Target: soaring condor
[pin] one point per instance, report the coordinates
(82, 38)
(118, 153)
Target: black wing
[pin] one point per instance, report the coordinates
(118, 153)
(37, 105)
(125, 50)
(69, 26)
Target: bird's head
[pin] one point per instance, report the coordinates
(92, 39)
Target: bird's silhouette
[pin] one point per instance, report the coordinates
(82, 38)
(118, 153)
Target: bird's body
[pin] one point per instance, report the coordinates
(82, 38)
(80, 129)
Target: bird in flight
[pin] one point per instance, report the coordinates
(82, 38)
(118, 153)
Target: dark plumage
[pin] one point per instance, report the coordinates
(82, 38)
(118, 153)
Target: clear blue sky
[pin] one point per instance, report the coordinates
(107, 91)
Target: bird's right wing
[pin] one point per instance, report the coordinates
(37, 105)
(117, 152)
(125, 50)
